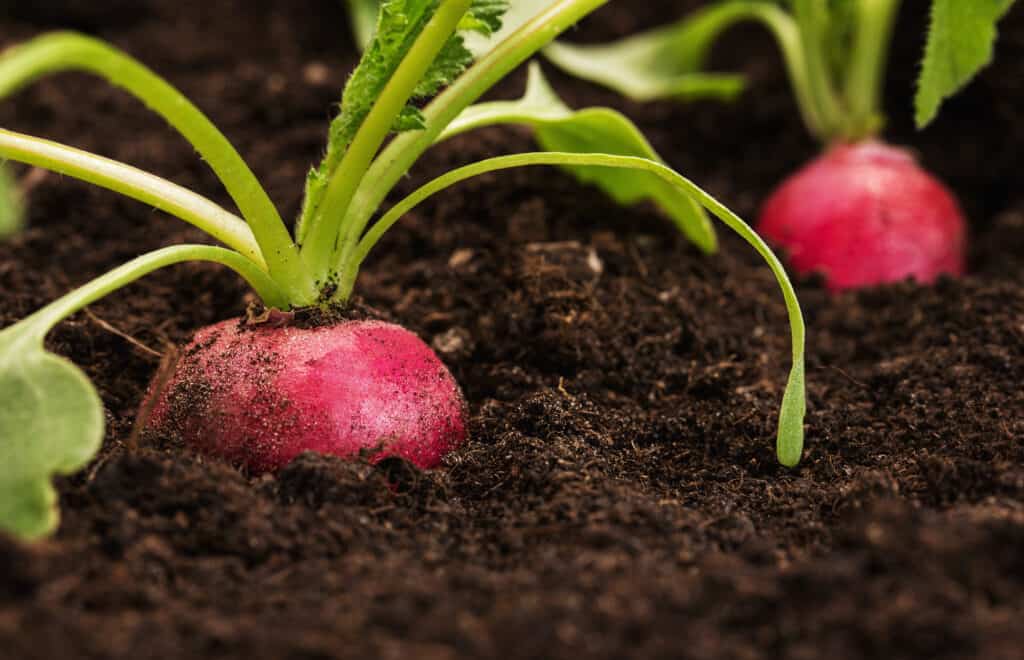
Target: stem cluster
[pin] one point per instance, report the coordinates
(837, 68)
(325, 267)
(834, 54)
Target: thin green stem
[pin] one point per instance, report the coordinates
(65, 306)
(790, 429)
(812, 21)
(864, 78)
(12, 211)
(137, 184)
(702, 30)
(400, 154)
(327, 226)
(65, 51)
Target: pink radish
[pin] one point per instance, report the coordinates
(865, 214)
(260, 395)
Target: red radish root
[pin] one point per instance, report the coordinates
(258, 396)
(865, 214)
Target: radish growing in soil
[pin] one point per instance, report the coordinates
(864, 212)
(259, 391)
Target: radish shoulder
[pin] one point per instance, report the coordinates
(865, 214)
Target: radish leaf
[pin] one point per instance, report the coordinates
(518, 14)
(363, 16)
(399, 25)
(592, 130)
(488, 15)
(51, 422)
(658, 64)
(961, 40)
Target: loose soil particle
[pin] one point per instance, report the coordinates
(619, 497)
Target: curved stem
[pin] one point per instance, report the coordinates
(323, 236)
(705, 28)
(66, 51)
(65, 306)
(137, 184)
(790, 432)
(400, 154)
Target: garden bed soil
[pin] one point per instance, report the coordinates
(619, 496)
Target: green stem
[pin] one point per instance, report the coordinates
(64, 51)
(65, 306)
(131, 182)
(704, 29)
(396, 159)
(812, 21)
(791, 415)
(864, 78)
(12, 210)
(327, 225)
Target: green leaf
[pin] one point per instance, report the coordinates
(669, 62)
(51, 418)
(593, 130)
(790, 434)
(961, 41)
(363, 16)
(399, 24)
(51, 423)
(517, 14)
(11, 209)
(664, 63)
(486, 18)
(396, 158)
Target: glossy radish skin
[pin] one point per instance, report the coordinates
(865, 214)
(259, 396)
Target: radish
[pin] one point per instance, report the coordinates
(863, 213)
(258, 395)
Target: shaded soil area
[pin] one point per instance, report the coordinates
(619, 496)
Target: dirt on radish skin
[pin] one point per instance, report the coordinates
(866, 214)
(260, 395)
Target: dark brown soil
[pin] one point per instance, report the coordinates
(619, 497)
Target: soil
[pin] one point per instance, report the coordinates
(619, 496)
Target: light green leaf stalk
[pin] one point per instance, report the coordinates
(593, 130)
(12, 211)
